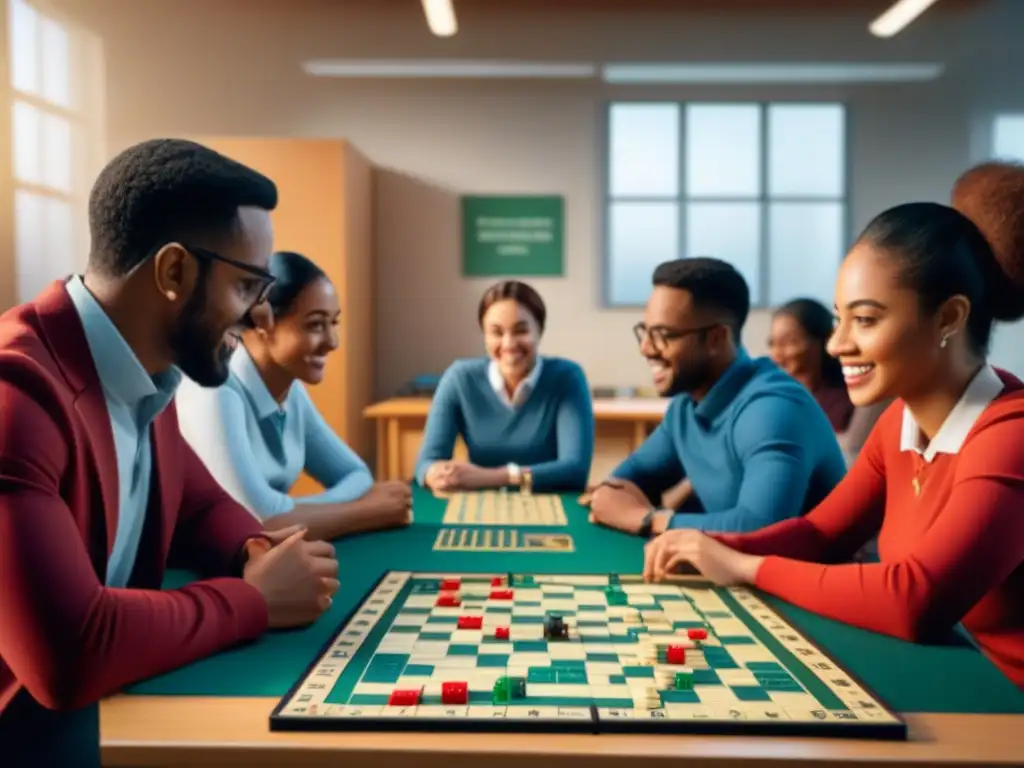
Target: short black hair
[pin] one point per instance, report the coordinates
(817, 322)
(941, 253)
(294, 272)
(524, 295)
(712, 283)
(167, 190)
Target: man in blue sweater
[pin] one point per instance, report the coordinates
(755, 445)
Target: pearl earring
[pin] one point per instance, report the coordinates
(944, 340)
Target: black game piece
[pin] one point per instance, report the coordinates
(555, 628)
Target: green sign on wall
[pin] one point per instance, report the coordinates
(512, 235)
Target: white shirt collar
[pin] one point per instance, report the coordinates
(983, 389)
(522, 391)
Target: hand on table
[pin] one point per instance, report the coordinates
(672, 551)
(296, 577)
(619, 504)
(390, 503)
(448, 476)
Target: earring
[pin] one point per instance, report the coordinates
(944, 340)
(171, 296)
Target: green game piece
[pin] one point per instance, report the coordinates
(616, 597)
(684, 681)
(508, 688)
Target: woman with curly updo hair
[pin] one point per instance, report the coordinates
(940, 480)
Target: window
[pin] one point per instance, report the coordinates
(1008, 137)
(57, 142)
(762, 186)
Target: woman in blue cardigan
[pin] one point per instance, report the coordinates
(527, 420)
(260, 430)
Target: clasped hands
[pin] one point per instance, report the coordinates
(297, 577)
(622, 505)
(448, 476)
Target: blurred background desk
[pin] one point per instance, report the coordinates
(621, 425)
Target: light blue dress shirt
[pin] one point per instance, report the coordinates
(256, 447)
(134, 399)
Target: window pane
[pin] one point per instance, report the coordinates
(56, 151)
(56, 64)
(1008, 137)
(644, 150)
(45, 248)
(641, 236)
(60, 238)
(29, 243)
(24, 37)
(730, 232)
(806, 244)
(723, 150)
(806, 150)
(27, 130)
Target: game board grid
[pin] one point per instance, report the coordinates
(500, 507)
(738, 678)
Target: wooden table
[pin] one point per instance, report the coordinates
(173, 732)
(621, 425)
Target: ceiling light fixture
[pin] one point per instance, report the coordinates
(440, 17)
(440, 68)
(710, 73)
(902, 13)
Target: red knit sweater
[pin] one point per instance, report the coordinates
(953, 553)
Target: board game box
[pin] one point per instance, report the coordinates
(576, 653)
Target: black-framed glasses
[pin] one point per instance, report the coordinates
(661, 336)
(267, 278)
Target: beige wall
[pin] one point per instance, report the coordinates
(233, 67)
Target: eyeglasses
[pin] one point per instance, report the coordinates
(661, 335)
(266, 277)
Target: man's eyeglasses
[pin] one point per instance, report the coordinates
(267, 279)
(661, 336)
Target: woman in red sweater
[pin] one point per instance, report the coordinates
(941, 477)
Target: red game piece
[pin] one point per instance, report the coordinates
(404, 698)
(676, 654)
(501, 633)
(454, 693)
(697, 634)
(501, 594)
(471, 622)
(450, 584)
(498, 581)
(447, 600)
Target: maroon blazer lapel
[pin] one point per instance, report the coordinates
(65, 336)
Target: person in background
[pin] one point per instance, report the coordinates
(260, 430)
(752, 441)
(941, 477)
(526, 419)
(797, 343)
(98, 491)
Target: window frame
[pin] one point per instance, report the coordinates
(759, 294)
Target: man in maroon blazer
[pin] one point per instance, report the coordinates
(98, 490)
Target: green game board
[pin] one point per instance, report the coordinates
(753, 673)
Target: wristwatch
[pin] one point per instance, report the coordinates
(526, 486)
(647, 524)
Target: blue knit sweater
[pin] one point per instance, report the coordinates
(551, 432)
